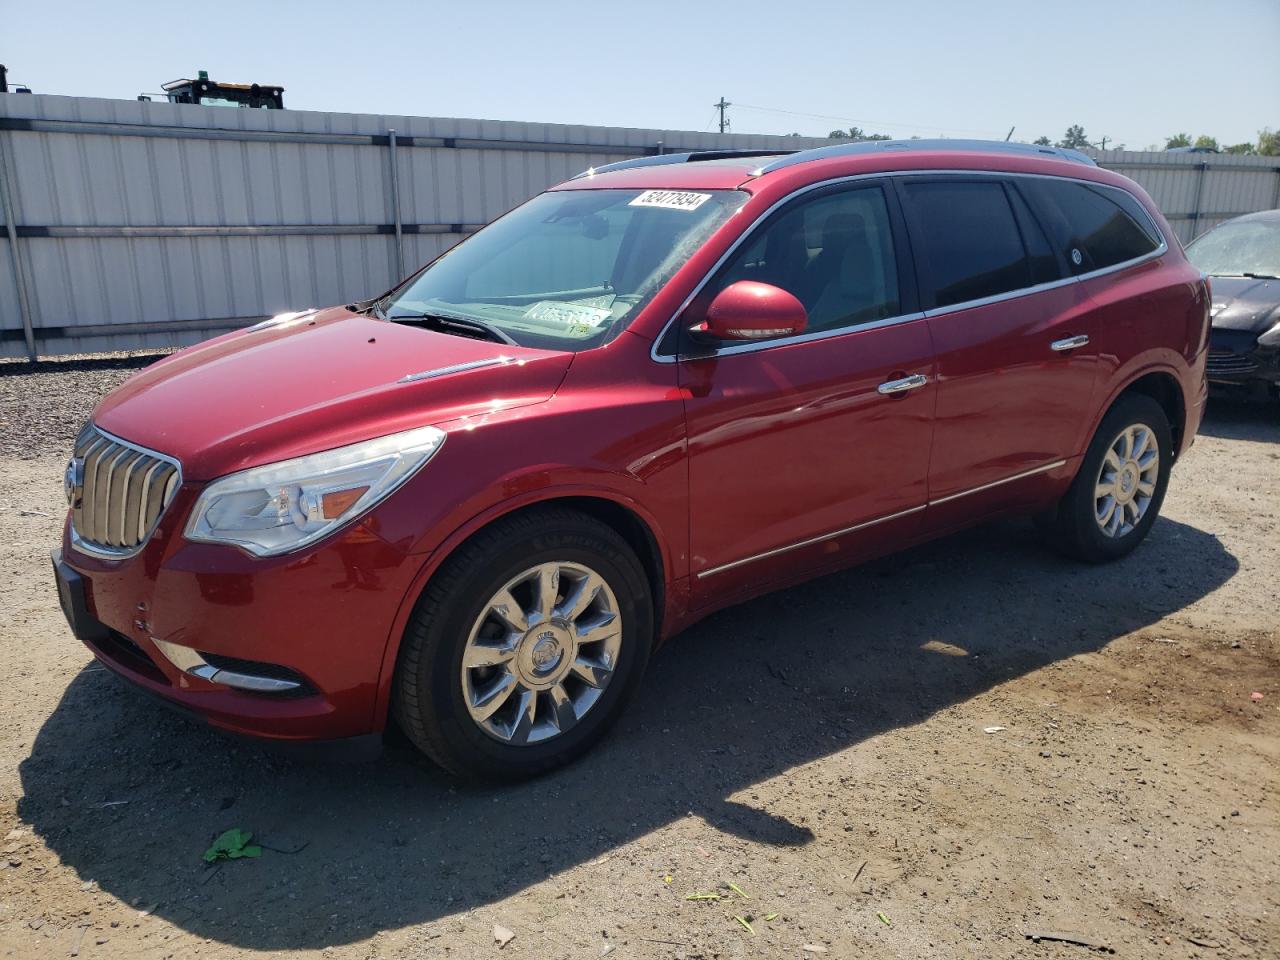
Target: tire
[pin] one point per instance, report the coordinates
(456, 615)
(1074, 525)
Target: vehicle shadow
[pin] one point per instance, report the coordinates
(130, 795)
(1229, 417)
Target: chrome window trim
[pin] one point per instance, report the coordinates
(102, 552)
(1043, 468)
(733, 248)
(657, 357)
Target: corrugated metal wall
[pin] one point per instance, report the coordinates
(1197, 191)
(154, 224)
(146, 225)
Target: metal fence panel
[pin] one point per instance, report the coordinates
(1197, 191)
(157, 224)
(154, 224)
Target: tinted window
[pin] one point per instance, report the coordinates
(1044, 263)
(966, 235)
(1091, 226)
(833, 252)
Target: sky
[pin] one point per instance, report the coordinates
(1134, 72)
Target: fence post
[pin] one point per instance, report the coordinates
(395, 206)
(19, 268)
(1195, 213)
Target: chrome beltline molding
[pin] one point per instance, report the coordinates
(905, 318)
(1044, 468)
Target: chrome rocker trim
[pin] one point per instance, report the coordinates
(1045, 468)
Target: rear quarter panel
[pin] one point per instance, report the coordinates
(1151, 317)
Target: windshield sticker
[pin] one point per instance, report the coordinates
(574, 319)
(670, 199)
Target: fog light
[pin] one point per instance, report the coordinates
(192, 662)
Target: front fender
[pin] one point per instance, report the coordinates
(675, 598)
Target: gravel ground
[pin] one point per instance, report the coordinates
(823, 749)
(43, 405)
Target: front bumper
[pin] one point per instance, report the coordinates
(320, 620)
(1236, 359)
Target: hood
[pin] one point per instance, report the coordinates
(1245, 304)
(321, 381)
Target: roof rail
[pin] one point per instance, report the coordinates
(867, 147)
(692, 156)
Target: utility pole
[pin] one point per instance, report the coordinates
(722, 106)
(1104, 143)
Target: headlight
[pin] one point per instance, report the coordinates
(283, 506)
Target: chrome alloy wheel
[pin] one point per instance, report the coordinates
(541, 653)
(1127, 480)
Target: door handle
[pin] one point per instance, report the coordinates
(1068, 343)
(913, 382)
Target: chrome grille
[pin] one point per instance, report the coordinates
(118, 492)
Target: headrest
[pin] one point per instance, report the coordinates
(841, 228)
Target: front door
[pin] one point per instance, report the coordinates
(798, 458)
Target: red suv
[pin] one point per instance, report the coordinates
(474, 505)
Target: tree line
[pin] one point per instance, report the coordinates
(1267, 144)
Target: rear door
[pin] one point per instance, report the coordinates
(1017, 365)
(1108, 242)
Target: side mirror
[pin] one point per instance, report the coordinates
(749, 310)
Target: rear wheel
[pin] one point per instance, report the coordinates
(1117, 493)
(525, 646)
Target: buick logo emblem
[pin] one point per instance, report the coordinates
(73, 482)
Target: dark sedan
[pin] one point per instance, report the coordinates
(1243, 258)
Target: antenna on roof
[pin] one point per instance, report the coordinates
(1008, 135)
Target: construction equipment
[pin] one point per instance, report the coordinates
(210, 93)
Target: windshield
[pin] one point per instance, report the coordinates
(1239, 249)
(567, 270)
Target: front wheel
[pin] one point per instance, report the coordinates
(1117, 493)
(525, 646)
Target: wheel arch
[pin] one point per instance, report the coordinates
(623, 516)
(1162, 387)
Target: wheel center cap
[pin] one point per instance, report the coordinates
(1128, 480)
(544, 655)
(546, 652)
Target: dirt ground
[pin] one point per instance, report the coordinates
(823, 749)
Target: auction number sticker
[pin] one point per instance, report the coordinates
(670, 199)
